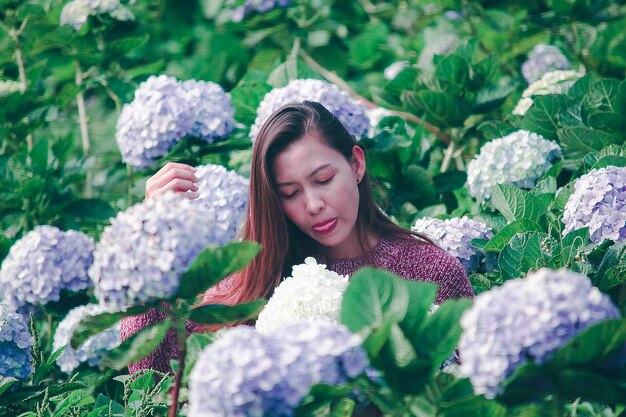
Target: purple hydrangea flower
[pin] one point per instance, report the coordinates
(211, 106)
(93, 349)
(164, 111)
(350, 112)
(143, 253)
(519, 159)
(43, 263)
(246, 373)
(224, 194)
(15, 345)
(526, 320)
(258, 6)
(598, 202)
(543, 59)
(455, 237)
(76, 12)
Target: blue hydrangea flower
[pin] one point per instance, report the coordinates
(93, 349)
(455, 237)
(526, 320)
(146, 248)
(15, 345)
(212, 109)
(258, 6)
(598, 202)
(246, 373)
(224, 194)
(43, 263)
(76, 12)
(164, 111)
(543, 59)
(350, 112)
(519, 159)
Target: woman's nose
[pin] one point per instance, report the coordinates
(314, 202)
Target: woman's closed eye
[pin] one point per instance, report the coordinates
(325, 181)
(290, 196)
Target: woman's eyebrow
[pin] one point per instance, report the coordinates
(312, 173)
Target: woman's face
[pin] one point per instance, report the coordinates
(318, 191)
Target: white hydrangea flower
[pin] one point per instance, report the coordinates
(9, 87)
(76, 12)
(518, 159)
(93, 349)
(224, 194)
(312, 293)
(350, 112)
(455, 237)
(142, 255)
(554, 82)
(394, 69)
(598, 202)
(375, 115)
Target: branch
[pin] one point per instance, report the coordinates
(335, 79)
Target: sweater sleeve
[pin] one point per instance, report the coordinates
(452, 279)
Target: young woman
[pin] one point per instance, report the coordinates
(309, 196)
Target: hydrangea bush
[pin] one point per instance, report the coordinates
(543, 59)
(164, 111)
(598, 202)
(519, 159)
(258, 6)
(312, 293)
(553, 82)
(93, 349)
(43, 263)
(15, 345)
(350, 112)
(76, 12)
(246, 373)
(526, 320)
(455, 237)
(143, 253)
(224, 194)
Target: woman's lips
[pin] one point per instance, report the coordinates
(325, 226)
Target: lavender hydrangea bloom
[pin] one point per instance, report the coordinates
(246, 373)
(259, 6)
(455, 237)
(43, 263)
(350, 112)
(598, 202)
(214, 113)
(143, 253)
(519, 159)
(543, 59)
(526, 320)
(15, 345)
(224, 194)
(76, 12)
(164, 111)
(93, 349)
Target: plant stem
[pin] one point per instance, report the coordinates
(447, 157)
(84, 131)
(335, 79)
(181, 335)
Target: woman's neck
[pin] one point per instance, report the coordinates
(354, 248)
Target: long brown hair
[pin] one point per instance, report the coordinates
(284, 245)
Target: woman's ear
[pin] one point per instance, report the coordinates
(358, 162)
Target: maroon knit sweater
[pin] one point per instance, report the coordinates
(409, 258)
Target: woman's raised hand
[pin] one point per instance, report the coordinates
(175, 177)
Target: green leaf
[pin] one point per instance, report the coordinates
(449, 181)
(223, 314)
(138, 346)
(39, 157)
(602, 97)
(502, 238)
(421, 297)
(213, 265)
(609, 121)
(617, 161)
(248, 94)
(573, 384)
(440, 108)
(592, 346)
(6, 383)
(517, 204)
(117, 410)
(615, 256)
(583, 139)
(365, 49)
(526, 251)
(453, 69)
(92, 325)
(383, 292)
(84, 210)
(124, 45)
(542, 117)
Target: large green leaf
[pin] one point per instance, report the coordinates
(517, 204)
(526, 251)
(543, 117)
(365, 49)
(502, 238)
(223, 314)
(138, 346)
(583, 139)
(614, 257)
(213, 265)
(6, 383)
(453, 69)
(440, 108)
(602, 96)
